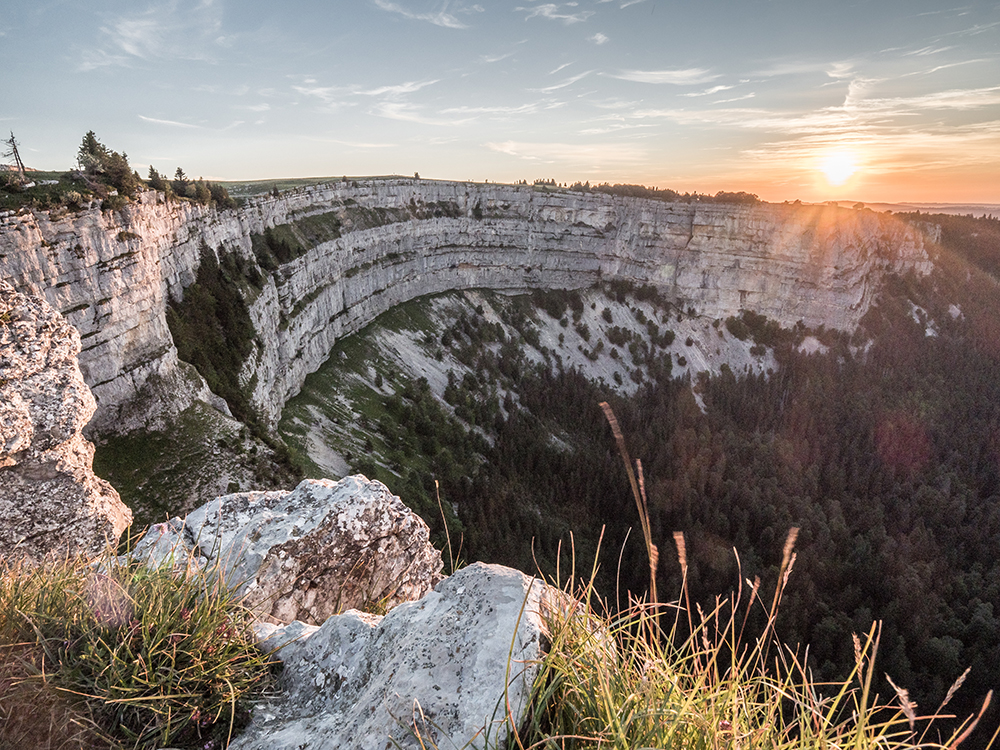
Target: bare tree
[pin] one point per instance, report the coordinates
(12, 143)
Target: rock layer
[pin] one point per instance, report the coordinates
(445, 669)
(50, 499)
(310, 553)
(388, 241)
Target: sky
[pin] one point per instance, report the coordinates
(886, 100)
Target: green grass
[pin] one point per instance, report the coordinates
(45, 196)
(118, 655)
(247, 188)
(665, 676)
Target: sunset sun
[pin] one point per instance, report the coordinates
(838, 166)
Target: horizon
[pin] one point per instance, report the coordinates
(887, 102)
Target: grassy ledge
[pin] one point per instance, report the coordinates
(105, 654)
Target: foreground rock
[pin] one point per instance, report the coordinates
(439, 672)
(50, 500)
(320, 549)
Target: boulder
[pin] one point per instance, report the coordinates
(321, 549)
(50, 500)
(451, 670)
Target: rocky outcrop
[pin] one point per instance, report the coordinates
(368, 246)
(310, 553)
(50, 500)
(452, 670)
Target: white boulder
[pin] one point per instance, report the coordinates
(452, 670)
(321, 549)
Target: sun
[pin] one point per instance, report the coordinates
(838, 166)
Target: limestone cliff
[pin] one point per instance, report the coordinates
(363, 247)
(50, 500)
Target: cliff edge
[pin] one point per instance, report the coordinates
(316, 264)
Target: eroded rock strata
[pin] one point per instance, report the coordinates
(50, 499)
(360, 248)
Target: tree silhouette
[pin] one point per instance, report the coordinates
(12, 143)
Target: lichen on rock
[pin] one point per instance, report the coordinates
(320, 549)
(50, 500)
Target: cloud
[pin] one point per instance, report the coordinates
(615, 128)
(174, 30)
(679, 77)
(954, 99)
(710, 91)
(928, 51)
(172, 123)
(332, 97)
(524, 109)
(412, 113)
(353, 144)
(439, 17)
(751, 95)
(495, 58)
(597, 38)
(551, 10)
(840, 69)
(399, 89)
(568, 82)
(593, 156)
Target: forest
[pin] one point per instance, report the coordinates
(883, 448)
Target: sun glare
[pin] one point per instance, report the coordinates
(838, 166)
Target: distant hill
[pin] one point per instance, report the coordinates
(960, 209)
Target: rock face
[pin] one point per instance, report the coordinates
(320, 549)
(50, 500)
(368, 246)
(445, 668)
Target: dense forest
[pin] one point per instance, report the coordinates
(883, 447)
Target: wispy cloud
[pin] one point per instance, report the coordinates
(403, 88)
(353, 144)
(174, 30)
(568, 82)
(598, 38)
(331, 97)
(710, 91)
(408, 112)
(924, 51)
(171, 123)
(523, 109)
(440, 17)
(677, 77)
(751, 95)
(583, 156)
(554, 12)
(495, 58)
(840, 69)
